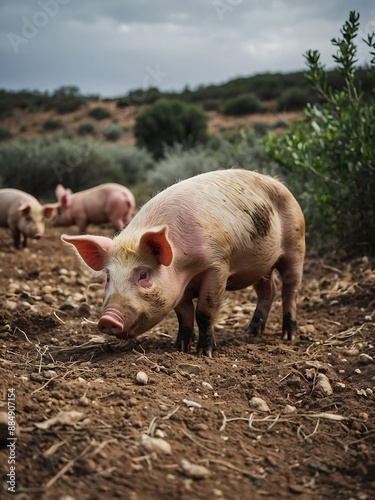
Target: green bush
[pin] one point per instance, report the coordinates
(167, 122)
(244, 104)
(295, 99)
(5, 134)
(179, 164)
(99, 113)
(51, 124)
(329, 157)
(112, 132)
(86, 129)
(37, 165)
(135, 163)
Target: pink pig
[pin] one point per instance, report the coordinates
(222, 230)
(98, 205)
(23, 214)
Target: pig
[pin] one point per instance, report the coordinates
(217, 231)
(98, 205)
(23, 214)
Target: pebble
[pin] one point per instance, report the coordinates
(259, 404)
(357, 371)
(323, 385)
(158, 445)
(207, 385)
(10, 304)
(289, 409)
(366, 359)
(191, 404)
(142, 378)
(193, 470)
(48, 298)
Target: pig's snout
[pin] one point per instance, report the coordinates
(111, 323)
(37, 235)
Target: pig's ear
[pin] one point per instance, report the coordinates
(92, 249)
(24, 209)
(49, 210)
(156, 243)
(62, 195)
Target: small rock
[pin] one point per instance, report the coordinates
(365, 359)
(142, 378)
(193, 470)
(323, 385)
(191, 404)
(351, 352)
(289, 409)
(48, 298)
(357, 371)
(259, 404)
(63, 272)
(158, 445)
(10, 304)
(84, 401)
(207, 385)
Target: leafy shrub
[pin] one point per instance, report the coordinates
(99, 113)
(244, 104)
(180, 164)
(135, 163)
(167, 122)
(37, 165)
(52, 124)
(329, 157)
(295, 98)
(112, 132)
(86, 129)
(5, 134)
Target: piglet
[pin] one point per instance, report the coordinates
(23, 214)
(221, 230)
(98, 205)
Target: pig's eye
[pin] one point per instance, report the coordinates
(107, 281)
(143, 275)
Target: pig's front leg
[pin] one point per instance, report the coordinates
(211, 292)
(185, 315)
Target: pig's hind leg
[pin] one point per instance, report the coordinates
(265, 290)
(185, 315)
(290, 270)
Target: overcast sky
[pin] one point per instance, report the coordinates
(109, 47)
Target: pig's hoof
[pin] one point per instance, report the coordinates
(257, 324)
(205, 348)
(206, 352)
(289, 327)
(184, 338)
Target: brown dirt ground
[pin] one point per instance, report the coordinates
(52, 355)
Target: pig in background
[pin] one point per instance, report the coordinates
(98, 205)
(222, 230)
(23, 214)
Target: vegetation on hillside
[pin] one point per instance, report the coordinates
(329, 156)
(327, 159)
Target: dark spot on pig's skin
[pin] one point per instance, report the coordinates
(154, 296)
(261, 220)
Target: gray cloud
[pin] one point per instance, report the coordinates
(111, 47)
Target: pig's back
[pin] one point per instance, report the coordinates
(10, 199)
(227, 208)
